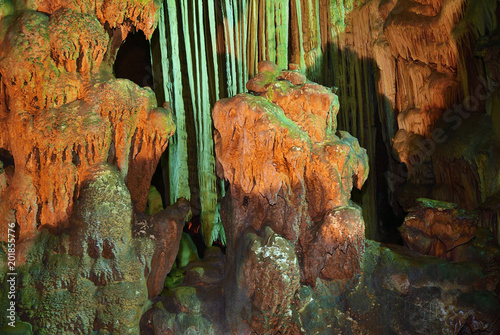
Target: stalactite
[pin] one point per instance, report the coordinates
(297, 42)
(228, 17)
(172, 87)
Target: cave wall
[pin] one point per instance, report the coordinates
(78, 149)
(62, 111)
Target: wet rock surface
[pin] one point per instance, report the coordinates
(99, 273)
(286, 164)
(287, 215)
(62, 111)
(78, 149)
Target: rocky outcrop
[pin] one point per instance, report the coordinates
(78, 149)
(266, 279)
(399, 67)
(93, 275)
(165, 228)
(399, 292)
(291, 172)
(440, 91)
(436, 228)
(123, 15)
(341, 238)
(58, 94)
(101, 271)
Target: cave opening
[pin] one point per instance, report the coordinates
(133, 62)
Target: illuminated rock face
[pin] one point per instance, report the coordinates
(79, 148)
(432, 57)
(289, 172)
(100, 272)
(61, 111)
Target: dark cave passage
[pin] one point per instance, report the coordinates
(133, 60)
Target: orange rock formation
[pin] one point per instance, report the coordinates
(62, 112)
(289, 169)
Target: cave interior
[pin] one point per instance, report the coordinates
(250, 167)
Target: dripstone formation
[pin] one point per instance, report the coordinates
(78, 149)
(287, 214)
(296, 260)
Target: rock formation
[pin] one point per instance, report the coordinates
(436, 227)
(439, 90)
(296, 259)
(289, 170)
(99, 272)
(78, 150)
(59, 95)
(415, 81)
(92, 276)
(287, 216)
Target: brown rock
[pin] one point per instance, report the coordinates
(295, 77)
(165, 229)
(287, 169)
(116, 13)
(435, 228)
(267, 66)
(336, 247)
(62, 119)
(260, 82)
(68, 122)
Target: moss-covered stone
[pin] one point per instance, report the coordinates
(155, 203)
(187, 251)
(93, 273)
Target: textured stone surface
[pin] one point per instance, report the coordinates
(266, 279)
(165, 227)
(290, 179)
(197, 306)
(399, 292)
(101, 271)
(285, 163)
(407, 61)
(78, 150)
(338, 244)
(123, 15)
(436, 228)
(432, 56)
(290, 173)
(57, 92)
(93, 275)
